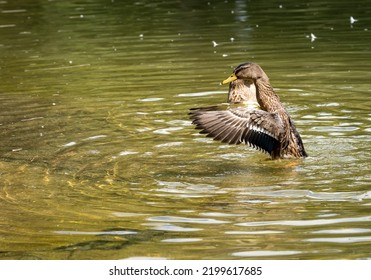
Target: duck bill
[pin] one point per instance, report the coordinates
(231, 78)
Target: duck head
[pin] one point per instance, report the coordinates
(242, 83)
(246, 71)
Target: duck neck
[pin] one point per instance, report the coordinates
(267, 98)
(242, 91)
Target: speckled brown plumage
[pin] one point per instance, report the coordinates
(268, 128)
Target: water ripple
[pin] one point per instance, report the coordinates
(255, 232)
(170, 227)
(167, 130)
(114, 232)
(204, 93)
(266, 253)
(350, 239)
(299, 223)
(181, 240)
(327, 196)
(342, 231)
(186, 188)
(175, 219)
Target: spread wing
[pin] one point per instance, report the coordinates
(258, 128)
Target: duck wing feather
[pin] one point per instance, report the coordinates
(260, 129)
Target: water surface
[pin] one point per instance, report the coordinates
(98, 159)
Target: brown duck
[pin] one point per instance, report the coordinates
(255, 116)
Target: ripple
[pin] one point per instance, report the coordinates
(218, 214)
(114, 232)
(188, 189)
(331, 104)
(176, 219)
(167, 130)
(265, 253)
(181, 240)
(144, 129)
(70, 144)
(351, 239)
(306, 222)
(127, 214)
(74, 143)
(173, 228)
(151, 99)
(13, 11)
(232, 156)
(31, 119)
(335, 128)
(295, 90)
(342, 231)
(203, 93)
(257, 201)
(126, 153)
(170, 144)
(95, 137)
(7, 25)
(255, 232)
(179, 122)
(326, 196)
(145, 258)
(339, 196)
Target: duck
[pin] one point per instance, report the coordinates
(253, 115)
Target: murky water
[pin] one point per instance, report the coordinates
(98, 159)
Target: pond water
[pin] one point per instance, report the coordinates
(99, 160)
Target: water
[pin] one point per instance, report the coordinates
(98, 159)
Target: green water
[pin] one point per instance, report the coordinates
(98, 159)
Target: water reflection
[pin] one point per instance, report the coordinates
(98, 158)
